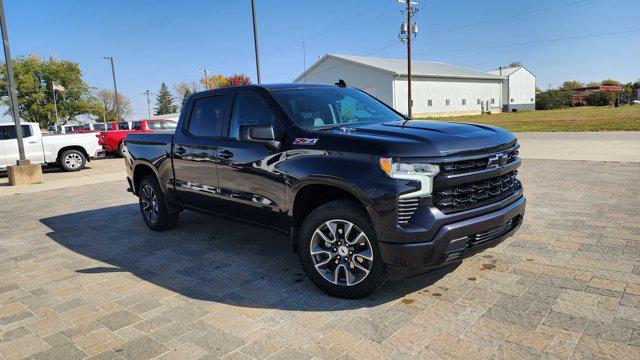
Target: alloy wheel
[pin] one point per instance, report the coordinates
(149, 204)
(73, 161)
(341, 252)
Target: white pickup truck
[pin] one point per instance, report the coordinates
(69, 152)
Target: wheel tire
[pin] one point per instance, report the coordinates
(121, 149)
(72, 160)
(345, 211)
(153, 207)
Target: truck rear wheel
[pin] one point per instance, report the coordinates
(72, 160)
(338, 250)
(121, 149)
(153, 207)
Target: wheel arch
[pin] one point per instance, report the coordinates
(140, 171)
(312, 194)
(72, 147)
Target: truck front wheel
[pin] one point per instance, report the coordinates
(153, 207)
(339, 251)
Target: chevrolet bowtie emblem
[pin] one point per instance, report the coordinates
(496, 161)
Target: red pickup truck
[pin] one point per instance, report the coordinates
(111, 140)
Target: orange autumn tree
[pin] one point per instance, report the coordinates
(220, 81)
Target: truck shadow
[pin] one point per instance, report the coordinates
(209, 258)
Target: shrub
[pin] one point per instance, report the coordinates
(553, 99)
(603, 97)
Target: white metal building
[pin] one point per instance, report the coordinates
(518, 88)
(438, 89)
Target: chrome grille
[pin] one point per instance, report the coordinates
(406, 208)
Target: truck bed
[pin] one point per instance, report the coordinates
(149, 146)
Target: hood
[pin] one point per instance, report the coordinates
(423, 138)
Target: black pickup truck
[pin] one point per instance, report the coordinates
(358, 187)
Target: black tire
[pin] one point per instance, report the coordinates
(346, 211)
(72, 160)
(121, 149)
(163, 219)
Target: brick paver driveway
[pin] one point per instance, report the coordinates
(81, 276)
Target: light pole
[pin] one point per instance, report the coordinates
(15, 112)
(115, 87)
(255, 38)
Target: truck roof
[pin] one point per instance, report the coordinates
(3, 123)
(279, 86)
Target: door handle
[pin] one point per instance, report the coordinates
(180, 150)
(33, 142)
(226, 154)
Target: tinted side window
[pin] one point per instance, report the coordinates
(9, 132)
(123, 125)
(248, 109)
(154, 125)
(206, 116)
(137, 125)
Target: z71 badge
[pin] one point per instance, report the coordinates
(305, 141)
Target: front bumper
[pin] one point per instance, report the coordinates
(457, 240)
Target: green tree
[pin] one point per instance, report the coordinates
(553, 99)
(593, 84)
(164, 101)
(34, 84)
(571, 85)
(603, 97)
(185, 96)
(610, 82)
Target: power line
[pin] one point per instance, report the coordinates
(350, 24)
(532, 42)
(524, 13)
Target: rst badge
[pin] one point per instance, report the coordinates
(305, 141)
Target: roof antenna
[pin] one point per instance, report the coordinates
(341, 83)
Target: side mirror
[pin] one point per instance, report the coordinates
(257, 133)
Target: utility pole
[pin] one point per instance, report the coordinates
(549, 86)
(406, 32)
(115, 87)
(15, 112)
(148, 93)
(255, 38)
(206, 79)
(55, 105)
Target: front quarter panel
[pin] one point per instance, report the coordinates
(348, 171)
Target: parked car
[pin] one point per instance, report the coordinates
(70, 152)
(111, 140)
(357, 186)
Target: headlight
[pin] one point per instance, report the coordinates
(411, 171)
(398, 170)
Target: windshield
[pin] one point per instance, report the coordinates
(332, 107)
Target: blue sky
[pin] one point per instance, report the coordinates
(156, 41)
